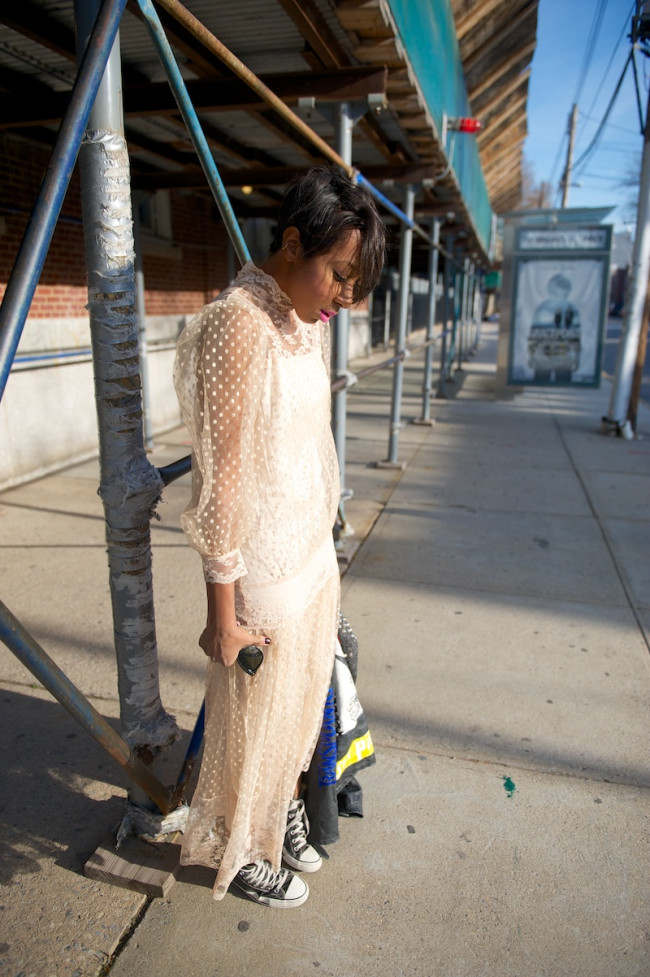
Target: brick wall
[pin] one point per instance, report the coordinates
(46, 415)
(180, 284)
(62, 287)
(198, 271)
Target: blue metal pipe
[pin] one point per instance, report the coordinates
(178, 794)
(48, 673)
(401, 216)
(43, 357)
(446, 288)
(176, 469)
(191, 120)
(36, 241)
(388, 204)
(26, 212)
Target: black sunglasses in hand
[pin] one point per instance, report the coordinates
(250, 658)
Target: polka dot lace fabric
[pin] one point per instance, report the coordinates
(253, 385)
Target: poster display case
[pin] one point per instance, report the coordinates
(558, 278)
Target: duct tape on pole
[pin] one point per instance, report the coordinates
(129, 485)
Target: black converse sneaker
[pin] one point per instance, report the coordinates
(296, 851)
(279, 890)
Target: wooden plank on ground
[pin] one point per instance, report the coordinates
(147, 867)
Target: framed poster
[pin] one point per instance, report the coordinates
(558, 306)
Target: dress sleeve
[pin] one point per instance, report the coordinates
(219, 377)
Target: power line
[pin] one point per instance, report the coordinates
(637, 89)
(610, 125)
(626, 24)
(614, 177)
(592, 145)
(617, 148)
(587, 56)
(590, 47)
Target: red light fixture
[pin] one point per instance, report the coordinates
(465, 125)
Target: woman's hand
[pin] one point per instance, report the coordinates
(224, 646)
(224, 637)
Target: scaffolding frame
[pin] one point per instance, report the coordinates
(131, 487)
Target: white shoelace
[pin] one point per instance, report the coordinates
(261, 876)
(298, 826)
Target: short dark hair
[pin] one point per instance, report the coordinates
(324, 204)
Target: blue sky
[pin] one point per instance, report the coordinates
(564, 28)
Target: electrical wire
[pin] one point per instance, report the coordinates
(610, 125)
(626, 24)
(587, 56)
(637, 89)
(614, 179)
(582, 159)
(590, 47)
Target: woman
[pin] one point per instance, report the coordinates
(252, 379)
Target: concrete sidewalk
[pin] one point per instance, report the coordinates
(502, 603)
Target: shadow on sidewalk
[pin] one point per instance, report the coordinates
(62, 792)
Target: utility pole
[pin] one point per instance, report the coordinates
(566, 179)
(620, 398)
(637, 378)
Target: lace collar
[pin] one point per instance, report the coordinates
(266, 287)
(294, 334)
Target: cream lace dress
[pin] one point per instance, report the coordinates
(253, 386)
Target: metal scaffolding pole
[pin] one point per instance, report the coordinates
(191, 120)
(461, 306)
(387, 306)
(467, 309)
(457, 278)
(345, 125)
(471, 282)
(459, 317)
(406, 248)
(129, 485)
(470, 306)
(475, 306)
(441, 393)
(427, 385)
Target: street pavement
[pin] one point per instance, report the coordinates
(499, 586)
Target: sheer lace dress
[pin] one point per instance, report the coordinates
(252, 382)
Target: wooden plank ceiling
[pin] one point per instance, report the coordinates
(497, 40)
(335, 48)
